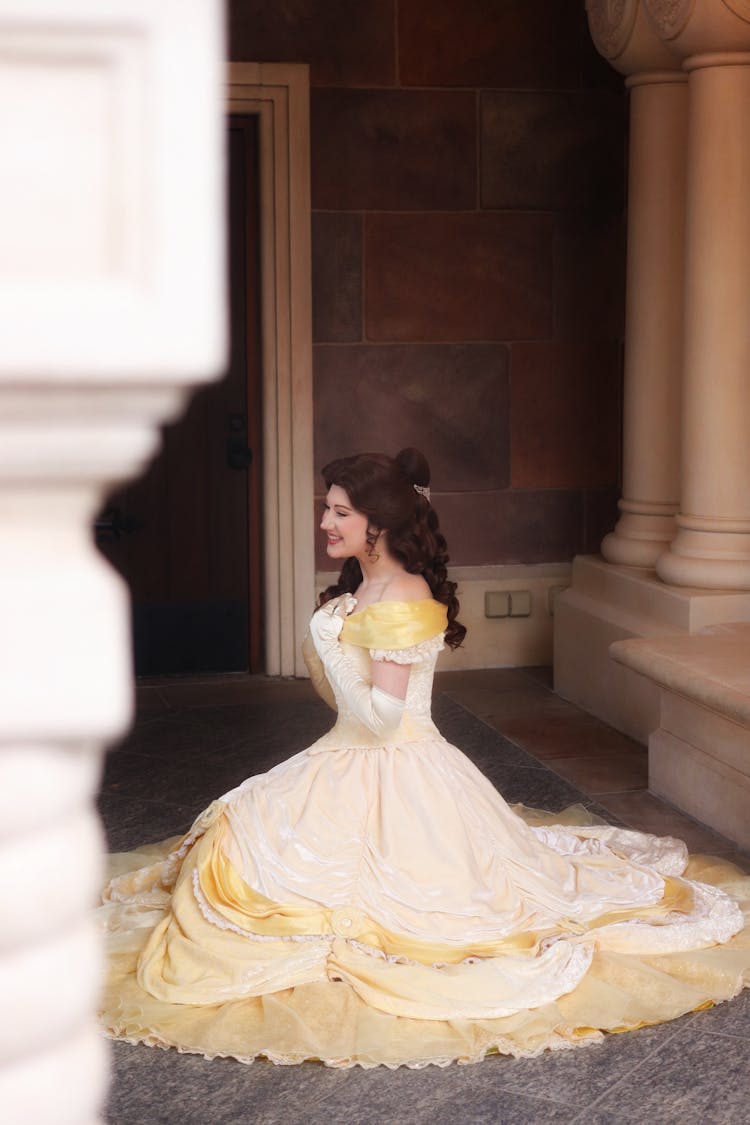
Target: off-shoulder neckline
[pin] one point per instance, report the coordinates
(394, 601)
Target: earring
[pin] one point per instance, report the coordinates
(372, 538)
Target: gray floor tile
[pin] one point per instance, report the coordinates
(181, 780)
(156, 1087)
(731, 1018)
(185, 760)
(694, 1078)
(288, 727)
(129, 822)
(456, 1095)
(580, 1076)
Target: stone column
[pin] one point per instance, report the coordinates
(712, 545)
(111, 306)
(624, 35)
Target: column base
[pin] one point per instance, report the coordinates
(608, 603)
(625, 550)
(708, 573)
(640, 536)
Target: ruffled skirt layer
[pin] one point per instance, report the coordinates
(386, 906)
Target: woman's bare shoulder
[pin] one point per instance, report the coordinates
(408, 588)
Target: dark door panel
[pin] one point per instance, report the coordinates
(187, 535)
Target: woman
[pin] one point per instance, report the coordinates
(373, 899)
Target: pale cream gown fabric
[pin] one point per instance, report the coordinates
(375, 900)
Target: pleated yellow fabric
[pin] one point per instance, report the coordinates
(395, 625)
(366, 904)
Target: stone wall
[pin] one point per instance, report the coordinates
(468, 254)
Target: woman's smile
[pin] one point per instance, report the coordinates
(345, 527)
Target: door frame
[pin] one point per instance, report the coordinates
(279, 94)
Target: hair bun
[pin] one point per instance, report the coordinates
(414, 466)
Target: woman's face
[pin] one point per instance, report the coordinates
(345, 527)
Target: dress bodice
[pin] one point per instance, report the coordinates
(417, 718)
(402, 632)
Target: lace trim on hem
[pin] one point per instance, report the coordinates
(499, 1045)
(415, 654)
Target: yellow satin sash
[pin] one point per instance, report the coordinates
(395, 625)
(230, 896)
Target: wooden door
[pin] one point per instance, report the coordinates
(187, 535)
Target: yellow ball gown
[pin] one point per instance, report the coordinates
(374, 900)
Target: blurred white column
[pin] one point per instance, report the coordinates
(111, 308)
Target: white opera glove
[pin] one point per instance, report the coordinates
(377, 709)
(328, 621)
(317, 673)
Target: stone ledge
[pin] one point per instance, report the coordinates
(711, 667)
(699, 757)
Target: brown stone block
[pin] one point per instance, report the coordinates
(458, 277)
(346, 42)
(590, 276)
(565, 414)
(555, 150)
(449, 400)
(337, 277)
(484, 528)
(393, 150)
(516, 43)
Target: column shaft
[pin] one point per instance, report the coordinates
(712, 546)
(653, 344)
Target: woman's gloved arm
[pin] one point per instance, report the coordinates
(380, 711)
(317, 673)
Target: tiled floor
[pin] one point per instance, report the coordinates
(193, 741)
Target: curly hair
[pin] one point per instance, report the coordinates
(382, 488)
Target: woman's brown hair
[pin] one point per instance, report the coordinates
(382, 488)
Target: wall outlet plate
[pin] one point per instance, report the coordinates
(520, 603)
(497, 603)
